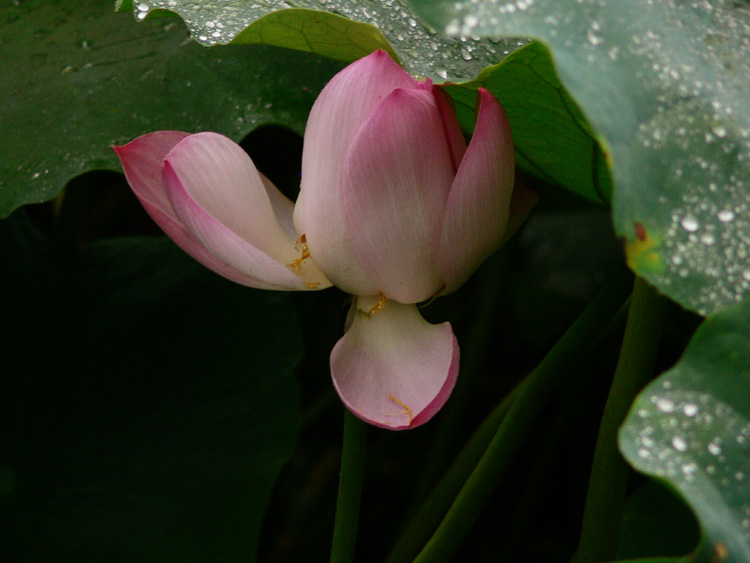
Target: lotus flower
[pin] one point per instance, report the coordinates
(394, 208)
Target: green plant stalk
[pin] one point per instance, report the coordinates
(536, 390)
(478, 342)
(602, 515)
(512, 540)
(350, 489)
(430, 513)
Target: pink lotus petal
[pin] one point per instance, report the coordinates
(453, 133)
(219, 196)
(142, 161)
(225, 244)
(476, 215)
(393, 369)
(220, 177)
(283, 207)
(342, 106)
(394, 185)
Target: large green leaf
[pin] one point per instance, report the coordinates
(422, 51)
(690, 428)
(78, 77)
(148, 405)
(665, 85)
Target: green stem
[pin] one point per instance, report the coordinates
(350, 489)
(473, 354)
(609, 472)
(534, 393)
(428, 517)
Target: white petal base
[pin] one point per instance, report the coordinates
(392, 368)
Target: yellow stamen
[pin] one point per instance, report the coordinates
(406, 410)
(301, 247)
(311, 285)
(375, 309)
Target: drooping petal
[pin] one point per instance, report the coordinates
(476, 215)
(342, 106)
(392, 368)
(142, 160)
(219, 196)
(394, 186)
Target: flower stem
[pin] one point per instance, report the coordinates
(533, 394)
(350, 489)
(609, 472)
(439, 501)
(473, 354)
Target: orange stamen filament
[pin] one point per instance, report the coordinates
(375, 309)
(301, 247)
(407, 410)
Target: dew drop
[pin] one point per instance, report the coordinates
(471, 21)
(679, 443)
(593, 37)
(689, 468)
(719, 130)
(725, 215)
(689, 223)
(708, 239)
(665, 405)
(690, 409)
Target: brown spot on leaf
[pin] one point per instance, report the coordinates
(721, 552)
(640, 231)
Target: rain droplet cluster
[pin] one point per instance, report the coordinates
(665, 83)
(698, 443)
(445, 58)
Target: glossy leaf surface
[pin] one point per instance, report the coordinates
(664, 85)
(691, 429)
(420, 49)
(100, 78)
